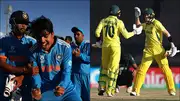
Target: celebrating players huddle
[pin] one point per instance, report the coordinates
(111, 27)
(45, 68)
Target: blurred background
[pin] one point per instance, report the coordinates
(64, 14)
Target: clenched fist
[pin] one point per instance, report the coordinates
(59, 91)
(36, 94)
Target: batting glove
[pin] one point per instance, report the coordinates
(98, 44)
(173, 50)
(137, 30)
(137, 12)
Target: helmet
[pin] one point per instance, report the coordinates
(19, 17)
(149, 12)
(114, 10)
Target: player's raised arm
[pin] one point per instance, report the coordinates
(137, 14)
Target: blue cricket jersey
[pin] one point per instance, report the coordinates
(16, 51)
(81, 64)
(55, 66)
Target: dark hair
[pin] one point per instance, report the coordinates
(40, 24)
(68, 38)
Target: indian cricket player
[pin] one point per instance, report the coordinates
(14, 55)
(54, 59)
(111, 28)
(154, 31)
(81, 64)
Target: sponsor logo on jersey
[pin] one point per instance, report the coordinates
(12, 49)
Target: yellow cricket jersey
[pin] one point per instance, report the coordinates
(154, 35)
(111, 28)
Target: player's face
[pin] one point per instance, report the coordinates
(119, 15)
(146, 18)
(46, 40)
(21, 29)
(79, 37)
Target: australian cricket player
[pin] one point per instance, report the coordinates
(111, 28)
(154, 31)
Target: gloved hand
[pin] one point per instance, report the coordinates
(137, 12)
(59, 91)
(98, 44)
(173, 51)
(19, 80)
(137, 30)
(36, 94)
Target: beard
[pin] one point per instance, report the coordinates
(22, 31)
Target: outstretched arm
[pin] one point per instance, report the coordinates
(173, 50)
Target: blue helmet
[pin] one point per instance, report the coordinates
(114, 10)
(19, 17)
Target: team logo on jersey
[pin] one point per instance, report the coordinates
(42, 59)
(25, 16)
(58, 57)
(85, 49)
(12, 49)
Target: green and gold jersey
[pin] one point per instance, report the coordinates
(154, 33)
(111, 28)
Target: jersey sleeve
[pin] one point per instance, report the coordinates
(2, 50)
(99, 28)
(159, 26)
(124, 31)
(36, 79)
(86, 56)
(65, 77)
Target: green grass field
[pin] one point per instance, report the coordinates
(146, 95)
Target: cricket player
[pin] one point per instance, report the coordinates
(154, 31)
(14, 55)
(68, 39)
(111, 27)
(53, 56)
(81, 64)
(127, 71)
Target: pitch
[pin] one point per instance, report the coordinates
(146, 95)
